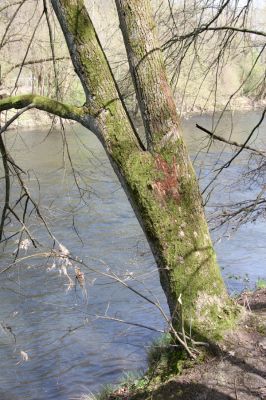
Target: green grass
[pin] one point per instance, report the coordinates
(104, 394)
(261, 283)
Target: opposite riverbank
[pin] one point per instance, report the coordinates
(39, 119)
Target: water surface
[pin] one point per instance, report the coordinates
(72, 351)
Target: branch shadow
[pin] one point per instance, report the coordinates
(186, 391)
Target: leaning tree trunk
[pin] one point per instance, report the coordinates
(160, 182)
(168, 192)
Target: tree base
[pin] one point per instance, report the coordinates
(233, 370)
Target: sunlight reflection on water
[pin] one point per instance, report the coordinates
(70, 350)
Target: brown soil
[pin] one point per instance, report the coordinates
(236, 372)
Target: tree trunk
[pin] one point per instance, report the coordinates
(160, 183)
(178, 232)
(148, 72)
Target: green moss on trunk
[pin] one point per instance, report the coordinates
(160, 183)
(179, 237)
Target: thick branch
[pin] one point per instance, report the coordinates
(93, 69)
(43, 103)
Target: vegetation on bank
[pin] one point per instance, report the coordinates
(261, 283)
(235, 83)
(168, 362)
(169, 366)
(39, 119)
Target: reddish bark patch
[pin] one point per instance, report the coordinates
(168, 186)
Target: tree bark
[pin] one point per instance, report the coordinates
(160, 183)
(178, 234)
(148, 72)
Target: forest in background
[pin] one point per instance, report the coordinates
(209, 69)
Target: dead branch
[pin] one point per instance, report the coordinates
(231, 142)
(7, 185)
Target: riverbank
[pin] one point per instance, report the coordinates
(32, 119)
(234, 370)
(39, 119)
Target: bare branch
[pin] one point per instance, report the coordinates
(11, 21)
(11, 120)
(51, 45)
(7, 185)
(27, 51)
(10, 5)
(198, 31)
(231, 142)
(129, 323)
(228, 163)
(33, 62)
(236, 29)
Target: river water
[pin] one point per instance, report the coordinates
(59, 345)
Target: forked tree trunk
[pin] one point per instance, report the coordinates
(160, 182)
